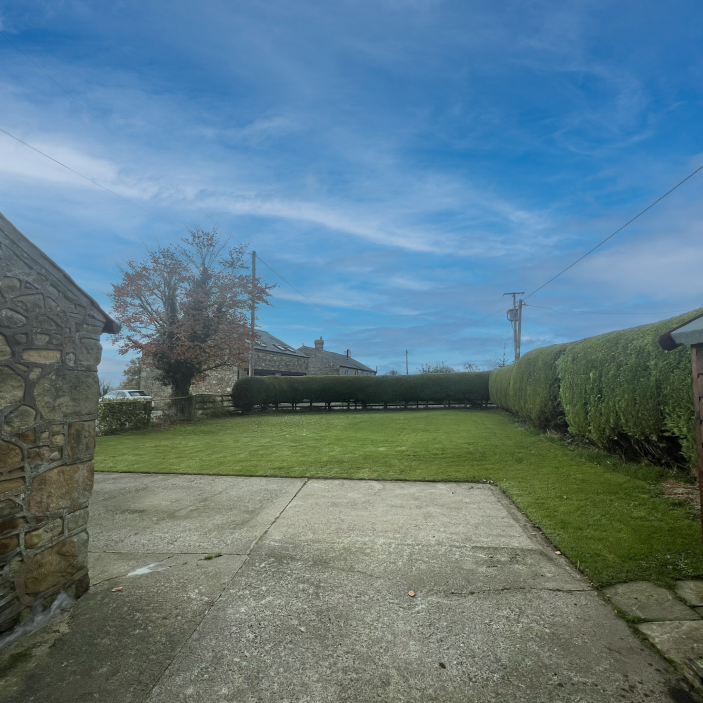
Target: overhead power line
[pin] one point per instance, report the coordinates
(312, 302)
(649, 207)
(90, 180)
(122, 141)
(454, 331)
(184, 195)
(601, 312)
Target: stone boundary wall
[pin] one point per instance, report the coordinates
(49, 352)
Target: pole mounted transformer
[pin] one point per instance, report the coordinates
(514, 316)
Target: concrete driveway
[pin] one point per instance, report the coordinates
(309, 601)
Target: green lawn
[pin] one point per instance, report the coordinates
(608, 517)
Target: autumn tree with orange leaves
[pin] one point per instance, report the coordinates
(185, 307)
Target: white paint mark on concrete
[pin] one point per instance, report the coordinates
(148, 569)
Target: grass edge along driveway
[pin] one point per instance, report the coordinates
(609, 517)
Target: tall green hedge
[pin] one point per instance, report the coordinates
(500, 385)
(620, 390)
(270, 390)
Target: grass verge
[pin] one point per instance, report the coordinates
(609, 517)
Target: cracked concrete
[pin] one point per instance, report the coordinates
(309, 601)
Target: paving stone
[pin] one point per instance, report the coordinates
(644, 600)
(682, 642)
(678, 641)
(691, 592)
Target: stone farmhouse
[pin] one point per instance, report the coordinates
(272, 357)
(327, 363)
(49, 353)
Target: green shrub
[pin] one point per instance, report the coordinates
(271, 390)
(123, 414)
(500, 385)
(534, 387)
(622, 391)
(248, 393)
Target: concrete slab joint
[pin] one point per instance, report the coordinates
(285, 589)
(49, 348)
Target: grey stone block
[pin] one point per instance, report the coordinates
(691, 592)
(644, 600)
(677, 641)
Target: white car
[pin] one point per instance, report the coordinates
(124, 394)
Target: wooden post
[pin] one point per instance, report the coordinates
(697, 370)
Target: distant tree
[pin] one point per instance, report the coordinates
(105, 386)
(437, 367)
(131, 377)
(392, 372)
(468, 366)
(184, 308)
(498, 362)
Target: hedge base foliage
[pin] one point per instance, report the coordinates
(530, 388)
(122, 415)
(262, 391)
(619, 390)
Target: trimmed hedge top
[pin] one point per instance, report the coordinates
(270, 390)
(620, 390)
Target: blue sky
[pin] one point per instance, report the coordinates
(403, 164)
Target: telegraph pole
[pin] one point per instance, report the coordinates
(253, 313)
(519, 326)
(515, 319)
(406, 362)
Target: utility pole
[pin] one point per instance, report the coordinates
(515, 319)
(253, 314)
(519, 326)
(406, 362)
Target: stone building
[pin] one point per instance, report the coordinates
(327, 363)
(272, 357)
(49, 352)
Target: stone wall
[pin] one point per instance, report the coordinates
(283, 363)
(319, 365)
(49, 352)
(220, 381)
(151, 386)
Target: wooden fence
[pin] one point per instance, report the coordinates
(190, 407)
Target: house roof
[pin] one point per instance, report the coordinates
(15, 236)
(338, 359)
(690, 332)
(266, 342)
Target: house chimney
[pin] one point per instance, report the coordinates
(347, 353)
(319, 344)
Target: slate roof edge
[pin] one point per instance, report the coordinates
(13, 234)
(296, 355)
(355, 365)
(264, 337)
